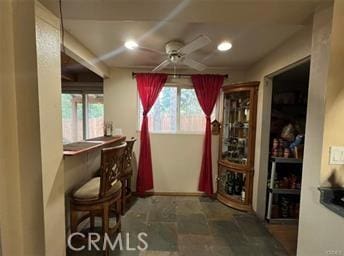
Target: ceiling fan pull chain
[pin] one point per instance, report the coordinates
(174, 70)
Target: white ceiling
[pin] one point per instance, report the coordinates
(255, 27)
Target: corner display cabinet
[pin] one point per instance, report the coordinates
(237, 142)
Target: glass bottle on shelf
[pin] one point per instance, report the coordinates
(230, 183)
(238, 184)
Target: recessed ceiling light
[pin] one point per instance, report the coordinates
(131, 45)
(224, 46)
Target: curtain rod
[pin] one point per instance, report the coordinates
(133, 75)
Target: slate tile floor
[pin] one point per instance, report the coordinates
(188, 226)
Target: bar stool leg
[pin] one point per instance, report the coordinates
(118, 213)
(129, 189)
(73, 220)
(123, 199)
(91, 221)
(105, 219)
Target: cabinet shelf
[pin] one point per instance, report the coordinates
(283, 220)
(237, 109)
(286, 160)
(287, 191)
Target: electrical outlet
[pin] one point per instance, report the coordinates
(336, 155)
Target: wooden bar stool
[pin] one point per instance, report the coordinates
(127, 173)
(101, 195)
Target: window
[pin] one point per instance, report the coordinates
(95, 115)
(82, 116)
(191, 114)
(176, 110)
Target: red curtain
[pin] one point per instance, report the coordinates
(149, 87)
(207, 88)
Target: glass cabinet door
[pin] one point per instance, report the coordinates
(236, 118)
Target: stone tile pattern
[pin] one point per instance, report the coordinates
(188, 226)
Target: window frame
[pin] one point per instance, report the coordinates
(178, 131)
(83, 92)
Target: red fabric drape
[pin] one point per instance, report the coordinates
(207, 88)
(149, 87)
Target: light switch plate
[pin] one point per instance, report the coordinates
(337, 155)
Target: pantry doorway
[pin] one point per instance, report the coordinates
(289, 96)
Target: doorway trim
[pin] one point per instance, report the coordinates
(262, 148)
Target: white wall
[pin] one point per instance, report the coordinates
(176, 157)
(320, 230)
(10, 214)
(49, 93)
(22, 224)
(293, 50)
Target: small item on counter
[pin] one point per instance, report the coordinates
(288, 133)
(298, 141)
(292, 182)
(292, 210)
(275, 152)
(275, 143)
(280, 142)
(108, 128)
(243, 194)
(274, 211)
(280, 152)
(284, 183)
(286, 153)
(298, 152)
(284, 206)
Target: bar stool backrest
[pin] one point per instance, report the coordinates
(129, 153)
(112, 160)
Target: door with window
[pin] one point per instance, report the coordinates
(82, 116)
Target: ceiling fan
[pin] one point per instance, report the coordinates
(177, 53)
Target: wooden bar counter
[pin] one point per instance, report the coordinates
(77, 148)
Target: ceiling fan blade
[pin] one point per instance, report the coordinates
(146, 49)
(196, 44)
(194, 64)
(162, 65)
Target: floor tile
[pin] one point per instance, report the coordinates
(227, 233)
(140, 205)
(186, 207)
(162, 236)
(251, 226)
(207, 199)
(186, 198)
(158, 253)
(134, 222)
(198, 245)
(192, 224)
(216, 210)
(221, 251)
(162, 212)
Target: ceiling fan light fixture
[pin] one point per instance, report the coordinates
(224, 46)
(131, 45)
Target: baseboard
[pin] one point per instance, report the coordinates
(172, 194)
